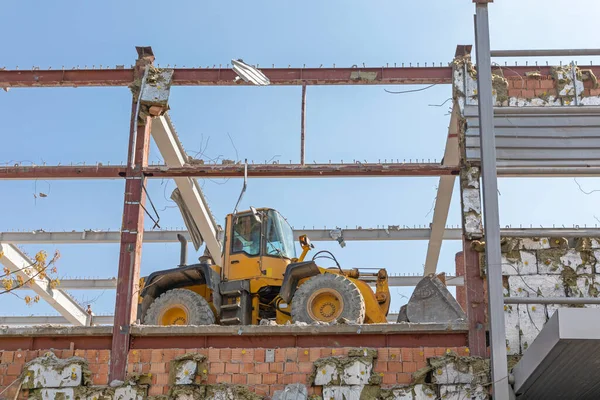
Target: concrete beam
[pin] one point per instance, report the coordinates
(27, 320)
(444, 196)
(17, 262)
(172, 151)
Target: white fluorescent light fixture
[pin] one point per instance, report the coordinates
(249, 74)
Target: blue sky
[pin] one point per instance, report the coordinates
(343, 123)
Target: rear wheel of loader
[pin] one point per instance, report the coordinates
(328, 298)
(179, 307)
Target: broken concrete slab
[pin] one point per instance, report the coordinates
(184, 369)
(50, 371)
(416, 392)
(230, 392)
(129, 392)
(187, 392)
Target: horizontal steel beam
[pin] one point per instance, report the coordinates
(85, 284)
(50, 320)
(281, 171)
(111, 283)
(545, 53)
(226, 76)
(231, 171)
(551, 300)
(166, 236)
(170, 236)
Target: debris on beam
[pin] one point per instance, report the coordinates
(18, 263)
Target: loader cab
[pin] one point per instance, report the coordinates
(258, 244)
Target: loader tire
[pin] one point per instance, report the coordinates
(179, 307)
(328, 298)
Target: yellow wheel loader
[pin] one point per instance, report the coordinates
(260, 277)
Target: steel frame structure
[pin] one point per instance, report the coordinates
(137, 171)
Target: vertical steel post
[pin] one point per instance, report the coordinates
(500, 384)
(302, 123)
(132, 231)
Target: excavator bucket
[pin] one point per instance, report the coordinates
(431, 302)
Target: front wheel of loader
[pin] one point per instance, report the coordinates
(179, 307)
(328, 298)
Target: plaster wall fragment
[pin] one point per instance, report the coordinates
(532, 318)
(57, 394)
(343, 392)
(535, 243)
(51, 372)
(519, 263)
(513, 332)
(463, 392)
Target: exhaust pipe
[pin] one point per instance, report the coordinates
(183, 254)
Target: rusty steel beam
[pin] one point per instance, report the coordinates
(277, 76)
(132, 230)
(231, 171)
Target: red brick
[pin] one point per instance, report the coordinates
(31, 354)
(517, 83)
(528, 93)
(145, 368)
(7, 357)
(145, 356)
(225, 354)
(276, 367)
(156, 356)
(429, 352)
(394, 367)
(259, 355)
(261, 390)
(236, 355)
(407, 354)
(95, 368)
(389, 378)
(303, 355)
(223, 378)
(170, 354)
(248, 355)
(20, 356)
(269, 379)
(279, 355)
(595, 92)
(254, 379)
(395, 355)
(280, 378)
(305, 367)
(547, 84)
(380, 366)
(216, 368)
(212, 379)
(383, 354)
(155, 390)
(541, 92)
(14, 369)
(261, 368)
(289, 378)
(91, 355)
(157, 368)
(586, 93)
(314, 354)
(533, 83)
(240, 379)
(420, 364)
(514, 93)
(409, 366)
(100, 379)
(215, 356)
(291, 367)
(134, 356)
(326, 353)
(291, 355)
(162, 379)
(232, 368)
(317, 390)
(247, 368)
(403, 378)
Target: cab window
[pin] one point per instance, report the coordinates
(246, 235)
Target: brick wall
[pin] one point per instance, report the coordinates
(252, 367)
